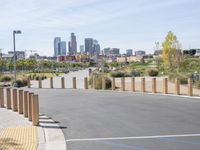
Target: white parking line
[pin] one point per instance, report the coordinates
(134, 138)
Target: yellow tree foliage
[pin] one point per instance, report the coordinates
(170, 49)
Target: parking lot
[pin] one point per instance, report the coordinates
(106, 120)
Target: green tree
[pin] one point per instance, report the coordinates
(20, 64)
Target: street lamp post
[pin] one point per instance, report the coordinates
(15, 32)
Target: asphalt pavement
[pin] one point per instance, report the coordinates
(111, 120)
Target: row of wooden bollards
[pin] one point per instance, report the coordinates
(51, 85)
(143, 84)
(20, 101)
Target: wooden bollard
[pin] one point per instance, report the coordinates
(25, 103)
(40, 83)
(165, 86)
(133, 84)
(113, 83)
(30, 98)
(177, 86)
(14, 100)
(74, 82)
(154, 85)
(8, 98)
(94, 82)
(143, 88)
(123, 84)
(190, 87)
(62, 82)
(35, 110)
(103, 83)
(51, 83)
(85, 83)
(2, 97)
(20, 100)
(29, 83)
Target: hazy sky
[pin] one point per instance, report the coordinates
(135, 24)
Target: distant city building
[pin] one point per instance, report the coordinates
(72, 45)
(62, 48)
(69, 58)
(106, 51)
(82, 49)
(92, 47)
(82, 58)
(96, 48)
(129, 52)
(57, 40)
(19, 54)
(197, 52)
(129, 59)
(140, 53)
(115, 51)
(158, 52)
(6, 57)
(89, 46)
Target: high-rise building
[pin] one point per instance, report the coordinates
(62, 48)
(89, 46)
(82, 49)
(57, 40)
(96, 47)
(92, 47)
(72, 45)
(129, 52)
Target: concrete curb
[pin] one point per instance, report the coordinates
(50, 135)
(141, 93)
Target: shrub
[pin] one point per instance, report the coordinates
(42, 77)
(135, 73)
(99, 81)
(117, 74)
(152, 72)
(183, 78)
(5, 79)
(197, 84)
(20, 83)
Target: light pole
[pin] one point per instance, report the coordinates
(15, 32)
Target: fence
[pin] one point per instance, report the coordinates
(23, 102)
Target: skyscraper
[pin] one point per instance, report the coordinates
(72, 45)
(96, 47)
(57, 40)
(62, 48)
(82, 49)
(89, 46)
(92, 47)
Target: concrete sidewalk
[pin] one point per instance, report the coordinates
(16, 132)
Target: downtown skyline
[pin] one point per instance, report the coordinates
(123, 24)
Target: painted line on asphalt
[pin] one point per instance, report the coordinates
(134, 137)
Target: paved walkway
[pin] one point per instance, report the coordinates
(80, 75)
(16, 132)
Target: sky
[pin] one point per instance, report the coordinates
(124, 24)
